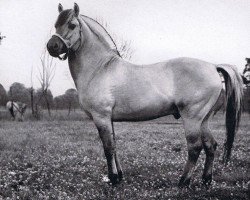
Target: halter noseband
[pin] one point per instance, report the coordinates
(67, 42)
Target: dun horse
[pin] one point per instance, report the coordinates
(111, 89)
(16, 109)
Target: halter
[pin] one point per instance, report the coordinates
(67, 42)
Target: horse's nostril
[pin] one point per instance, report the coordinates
(55, 46)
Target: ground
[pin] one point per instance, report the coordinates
(62, 158)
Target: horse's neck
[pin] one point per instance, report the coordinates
(94, 53)
(90, 58)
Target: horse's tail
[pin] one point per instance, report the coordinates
(233, 104)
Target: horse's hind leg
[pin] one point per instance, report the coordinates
(194, 145)
(209, 145)
(104, 126)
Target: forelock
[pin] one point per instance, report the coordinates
(63, 17)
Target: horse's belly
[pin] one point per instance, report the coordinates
(142, 109)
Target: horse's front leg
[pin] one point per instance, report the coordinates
(117, 161)
(104, 126)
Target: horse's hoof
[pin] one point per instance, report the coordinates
(114, 179)
(207, 180)
(184, 182)
(120, 175)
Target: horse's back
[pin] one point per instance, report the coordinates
(170, 78)
(158, 89)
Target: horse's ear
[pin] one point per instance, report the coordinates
(60, 8)
(76, 9)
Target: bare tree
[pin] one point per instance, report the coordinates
(1, 37)
(46, 75)
(31, 90)
(124, 47)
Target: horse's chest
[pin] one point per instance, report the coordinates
(96, 101)
(84, 101)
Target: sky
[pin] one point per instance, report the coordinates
(216, 31)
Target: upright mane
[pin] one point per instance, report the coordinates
(100, 32)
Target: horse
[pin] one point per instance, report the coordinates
(112, 89)
(16, 109)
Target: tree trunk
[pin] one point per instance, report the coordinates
(36, 112)
(47, 103)
(69, 109)
(32, 100)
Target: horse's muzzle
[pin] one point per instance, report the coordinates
(56, 47)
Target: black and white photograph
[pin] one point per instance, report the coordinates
(124, 100)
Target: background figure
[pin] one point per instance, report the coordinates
(16, 109)
(246, 72)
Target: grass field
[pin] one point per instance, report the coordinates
(62, 158)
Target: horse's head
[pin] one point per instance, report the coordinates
(68, 33)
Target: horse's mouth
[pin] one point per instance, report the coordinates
(61, 56)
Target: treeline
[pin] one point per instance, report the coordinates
(37, 98)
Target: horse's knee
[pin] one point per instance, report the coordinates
(105, 133)
(109, 151)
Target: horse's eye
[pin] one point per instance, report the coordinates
(72, 26)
